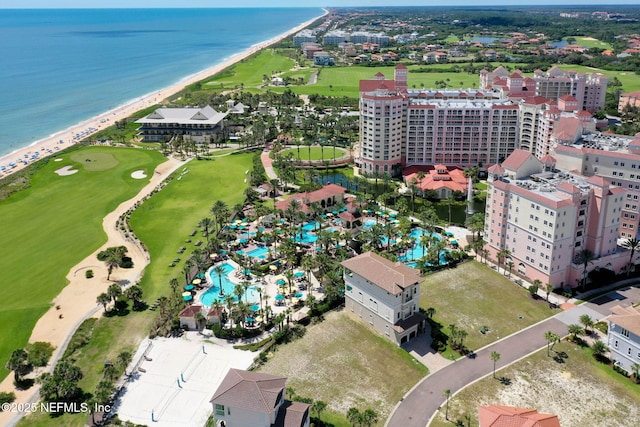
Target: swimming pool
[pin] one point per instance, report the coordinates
(305, 237)
(213, 293)
(311, 226)
(369, 223)
(259, 252)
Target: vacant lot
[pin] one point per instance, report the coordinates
(581, 391)
(473, 296)
(344, 363)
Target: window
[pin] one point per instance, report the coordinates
(624, 332)
(219, 409)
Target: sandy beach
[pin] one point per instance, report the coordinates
(21, 158)
(77, 301)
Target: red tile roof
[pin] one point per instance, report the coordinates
(453, 178)
(508, 416)
(390, 276)
(190, 311)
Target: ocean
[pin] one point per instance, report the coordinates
(63, 66)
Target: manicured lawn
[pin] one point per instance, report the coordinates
(342, 362)
(590, 42)
(165, 220)
(250, 71)
(163, 223)
(53, 225)
(473, 296)
(598, 396)
(315, 153)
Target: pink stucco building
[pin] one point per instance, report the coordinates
(545, 216)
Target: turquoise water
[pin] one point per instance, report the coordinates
(213, 293)
(305, 237)
(369, 223)
(417, 251)
(260, 252)
(311, 226)
(64, 66)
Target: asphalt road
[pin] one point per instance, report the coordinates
(421, 403)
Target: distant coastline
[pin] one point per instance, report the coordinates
(50, 145)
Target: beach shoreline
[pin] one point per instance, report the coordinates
(48, 146)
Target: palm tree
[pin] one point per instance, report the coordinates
(632, 245)
(134, 293)
(575, 330)
(229, 301)
(584, 257)
(587, 322)
(510, 264)
(447, 395)
(548, 289)
(114, 291)
(598, 348)
(207, 225)
(219, 270)
(502, 255)
(173, 283)
(103, 299)
(369, 417)
(19, 364)
(495, 356)
(220, 212)
(114, 260)
(635, 369)
(551, 338)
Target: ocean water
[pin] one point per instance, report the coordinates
(63, 66)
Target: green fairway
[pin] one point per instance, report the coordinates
(164, 221)
(53, 225)
(250, 72)
(590, 42)
(304, 152)
(95, 161)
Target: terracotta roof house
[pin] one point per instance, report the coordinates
(439, 178)
(188, 316)
(509, 416)
(326, 197)
(385, 294)
(251, 399)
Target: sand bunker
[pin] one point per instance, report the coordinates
(67, 170)
(138, 174)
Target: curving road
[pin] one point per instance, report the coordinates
(421, 403)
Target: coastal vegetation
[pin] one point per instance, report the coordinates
(46, 245)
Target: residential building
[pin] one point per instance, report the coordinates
(623, 337)
(614, 157)
(200, 125)
(322, 58)
(588, 89)
(304, 36)
(380, 39)
(334, 38)
(401, 127)
(385, 294)
(503, 416)
(544, 217)
(628, 100)
(308, 49)
(251, 399)
(189, 317)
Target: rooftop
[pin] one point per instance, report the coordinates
(250, 391)
(509, 416)
(393, 277)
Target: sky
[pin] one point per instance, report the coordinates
(24, 4)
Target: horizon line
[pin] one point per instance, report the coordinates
(532, 4)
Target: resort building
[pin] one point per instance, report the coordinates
(614, 157)
(201, 125)
(588, 89)
(544, 217)
(326, 197)
(623, 337)
(401, 127)
(384, 294)
(251, 399)
(445, 181)
(304, 36)
(334, 38)
(503, 416)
